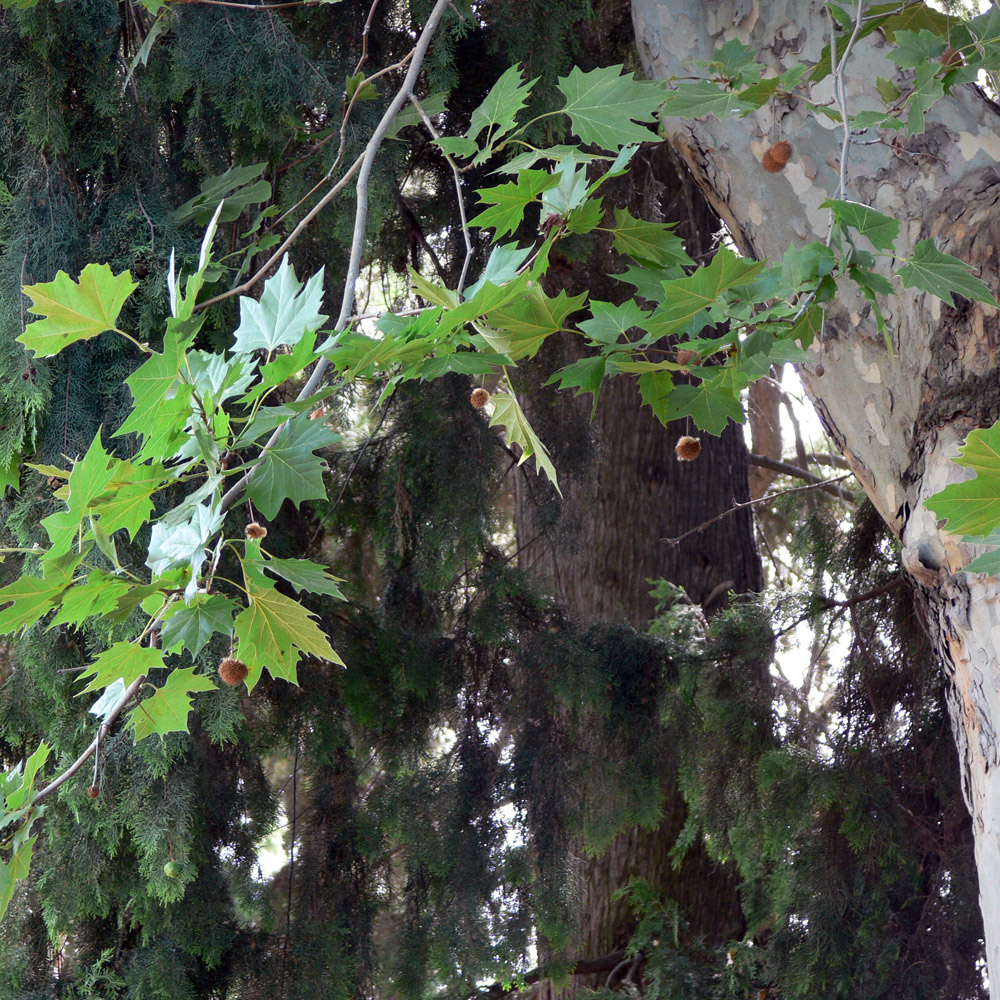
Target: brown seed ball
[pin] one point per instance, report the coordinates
(951, 59)
(479, 398)
(687, 357)
(93, 791)
(233, 671)
(255, 531)
(688, 448)
(777, 156)
(818, 371)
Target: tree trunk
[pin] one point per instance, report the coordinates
(620, 507)
(898, 418)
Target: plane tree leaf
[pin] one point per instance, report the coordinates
(274, 631)
(193, 625)
(290, 470)
(972, 507)
(303, 574)
(509, 415)
(942, 275)
(610, 108)
(75, 310)
(166, 710)
(508, 202)
(285, 311)
(125, 660)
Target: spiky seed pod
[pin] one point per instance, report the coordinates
(688, 448)
(93, 791)
(777, 156)
(255, 531)
(688, 357)
(233, 671)
(479, 398)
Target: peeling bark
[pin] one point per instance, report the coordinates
(898, 418)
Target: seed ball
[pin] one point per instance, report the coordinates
(255, 531)
(93, 791)
(233, 671)
(818, 371)
(777, 156)
(951, 59)
(688, 357)
(688, 448)
(479, 398)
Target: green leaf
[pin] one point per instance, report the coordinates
(97, 596)
(303, 574)
(274, 631)
(735, 62)
(887, 90)
(584, 375)
(290, 470)
(125, 660)
(610, 322)
(570, 191)
(501, 267)
(29, 598)
(161, 401)
(655, 388)
(916, 47)
(695, 100)
(498, 112)
(509, 201)
(880, 229)
(166, 710)
(988, 563)
(941, 275)
(238, 187)
(127, 501)
(356, 85)
(604, 106)
(652, 243)
(688, 296)
(928, 89)
(10, 474)
(710, 406)
(75, 311)
(283, 315)
(433, 104)
(973, 507)
(509, 415)
(532, 318)
(192, 626)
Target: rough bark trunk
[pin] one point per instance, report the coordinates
(897, 418)
(609, 542)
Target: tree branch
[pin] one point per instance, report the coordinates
(826, 485)
(750, 503)
(582, 967)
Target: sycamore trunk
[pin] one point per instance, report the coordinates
(897, 416)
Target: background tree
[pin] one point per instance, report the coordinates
(467, 688)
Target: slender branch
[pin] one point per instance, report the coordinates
(129, 693)
(456, 174)
(749, 503)
(357, 242)
(810, 477)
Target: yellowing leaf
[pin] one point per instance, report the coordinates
(75, 311)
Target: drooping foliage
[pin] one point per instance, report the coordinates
(424, 796)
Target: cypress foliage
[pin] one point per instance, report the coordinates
(424, 796)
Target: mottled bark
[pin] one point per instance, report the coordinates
(897, 418)
(625, 493)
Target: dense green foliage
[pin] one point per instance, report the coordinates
(427, 791)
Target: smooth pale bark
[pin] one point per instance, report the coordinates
(897, 418)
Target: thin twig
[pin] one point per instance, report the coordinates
(749, 503)
(456, 174)
(810, 477)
